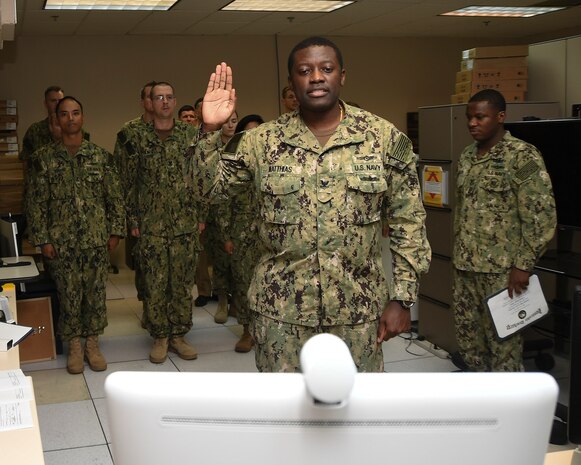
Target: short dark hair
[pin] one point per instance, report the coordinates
(200, 100)
(160, 83)
(185, 108)
(313, 42)
(145, 86)
(248, 119)
(50, 89)
(67, 97)
(493, 97)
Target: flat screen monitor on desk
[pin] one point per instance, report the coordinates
(13, 266)
(9, 240)
(388, 418)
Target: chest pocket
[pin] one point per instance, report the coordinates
(280, 201)
(151, 171)
(93, 181)
(62, 183)
(364, 197)
(494, 194)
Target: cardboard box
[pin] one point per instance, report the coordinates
(11, 198)
(5, 147)
(8, 138)
(482, 63)
(9, 164)
(8, 119)
(492, 74)
(464, 76)
(495, 52)
(509, 96)
(7, 110)
(511, 85)
(495, 74)
(514, 96)
(460, 98)
(7, 103)
(11, 183)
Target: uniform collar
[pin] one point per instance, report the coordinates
(63, 153)
(297, 134)
(495, 153)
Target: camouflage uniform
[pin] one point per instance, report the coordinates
(76, 204)
(125, 148)
(505, 216)
(38, 135)
(320, 224)
(222, 280)
(202, 278)
(238, 224)
(217, 223)
(161, 204)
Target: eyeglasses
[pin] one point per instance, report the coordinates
(161, 98)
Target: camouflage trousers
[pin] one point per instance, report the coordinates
(479, 346)
(130, 244)
(203, 281)
(221, 265)
(80, 277)
(243, 262)
(167, 266)
(278, 344)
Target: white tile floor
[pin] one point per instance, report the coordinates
(71, 409)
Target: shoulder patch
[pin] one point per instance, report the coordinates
(401, 149)
(232, 145)
(527, 170)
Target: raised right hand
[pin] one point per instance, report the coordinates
(220, 98)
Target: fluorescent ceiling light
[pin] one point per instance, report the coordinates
(311, 6)
(502, 11)
(109, 4)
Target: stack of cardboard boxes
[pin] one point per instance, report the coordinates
(500, 68)
(11, 168)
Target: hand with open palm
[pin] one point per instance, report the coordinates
(220, 98)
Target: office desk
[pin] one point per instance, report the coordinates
(39, 287)
(565, 457)
(16, 269)
(21, 446)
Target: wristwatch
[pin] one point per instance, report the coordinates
(407, 304)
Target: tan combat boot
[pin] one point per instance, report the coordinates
(233, 309)
(180, 346)
(245, 343)
(221, 315)
(158, 353)
(75, 363)
(93, 355)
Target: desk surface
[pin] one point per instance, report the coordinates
(10, 360)
(565, 457)
(21, 446)
(17, 269)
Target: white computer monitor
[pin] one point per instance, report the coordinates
(388, 418)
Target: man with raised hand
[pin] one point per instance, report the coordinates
(321, 176)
